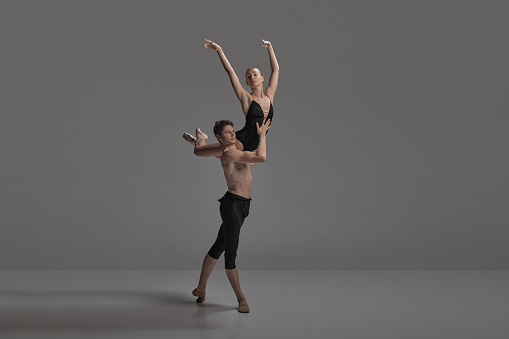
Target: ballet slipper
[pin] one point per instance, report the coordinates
(200, 295)
(190, 138)
(243, 308)
(200, 134)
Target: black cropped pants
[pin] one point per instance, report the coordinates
(234, 210)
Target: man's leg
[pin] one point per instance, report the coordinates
(233, 217)
(209, 262)
(206, 269)
(233, 277)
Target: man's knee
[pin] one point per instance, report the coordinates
(229, 261)
(215, 253)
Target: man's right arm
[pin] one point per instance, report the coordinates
(253, 157)
(248, 157)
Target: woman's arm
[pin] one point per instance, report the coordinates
(241, 93)
(274, 76)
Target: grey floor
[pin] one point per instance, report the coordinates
(284, 304)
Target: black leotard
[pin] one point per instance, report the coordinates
(248, 134)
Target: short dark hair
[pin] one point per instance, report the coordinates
(219, 125)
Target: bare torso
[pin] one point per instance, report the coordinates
(238, 176)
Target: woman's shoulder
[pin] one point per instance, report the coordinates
(271, 99)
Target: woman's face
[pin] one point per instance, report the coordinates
(254, 77)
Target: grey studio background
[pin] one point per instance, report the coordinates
(388, 148)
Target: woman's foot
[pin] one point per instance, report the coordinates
(243, 308)
(200, 295)
(200, 134)
(190, 138)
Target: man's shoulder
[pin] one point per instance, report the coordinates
(230, 155)
(232, 152)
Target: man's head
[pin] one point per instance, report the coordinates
(223, 130)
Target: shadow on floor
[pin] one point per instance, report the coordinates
(105, 311)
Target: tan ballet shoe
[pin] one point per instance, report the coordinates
(200, 134)
(190, 138)
(200, 295)
(243, 308)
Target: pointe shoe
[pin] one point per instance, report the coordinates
(200, 134)
(200, 295)
(243, 308)
(190, 138)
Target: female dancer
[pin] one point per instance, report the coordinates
(256, 105)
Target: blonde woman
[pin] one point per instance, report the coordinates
(256, 105)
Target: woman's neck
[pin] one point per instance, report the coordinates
(257, 92)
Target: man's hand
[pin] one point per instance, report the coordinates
(264, 128)
(212, 45)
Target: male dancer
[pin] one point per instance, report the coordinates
(234, 206)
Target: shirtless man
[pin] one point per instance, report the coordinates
(234, 206)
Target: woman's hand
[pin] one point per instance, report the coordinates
(265, 43)
(212, 45)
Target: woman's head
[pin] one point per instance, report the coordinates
(254, 77)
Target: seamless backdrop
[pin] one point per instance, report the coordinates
(388, 148)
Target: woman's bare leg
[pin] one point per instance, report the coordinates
(202, 149)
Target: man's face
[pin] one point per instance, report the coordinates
(227, 136)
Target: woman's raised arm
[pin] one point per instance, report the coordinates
(241, 93)
(274, 76)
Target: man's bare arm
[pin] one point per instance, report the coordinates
(260, 155)
(244, 157)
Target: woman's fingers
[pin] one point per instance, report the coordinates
(265, 43)
(210, 44)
